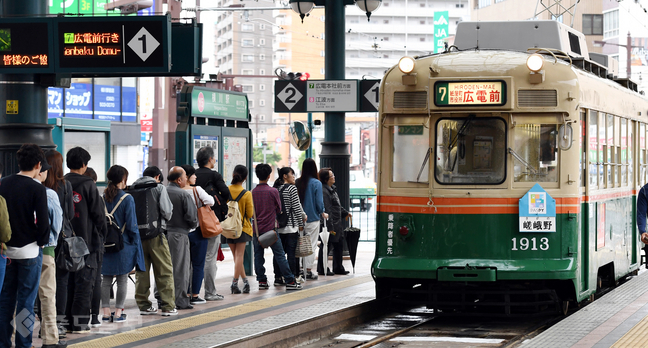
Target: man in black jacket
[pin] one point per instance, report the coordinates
(212, 182)
(89, 223)
(30, 230)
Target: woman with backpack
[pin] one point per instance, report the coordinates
(63, 188)
(246, 208)
(291, 220)
(118, 263)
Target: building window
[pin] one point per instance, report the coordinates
(322, 71)
(422, 22)
(247, 42)
(261, 102)
(261, 87)
(247, 27)
(422, 39)
(261, 42)
(247, 71)
(261, 71)
(261, 118)
(482, 3)
(322, 54)
(247, 58)
(261, 26)
(248, 88)
(592, 24)
(261, 56)
(422, 4)
(611, 24)
(385, 55)
(250, 104)
(386, 21)
(385, 38)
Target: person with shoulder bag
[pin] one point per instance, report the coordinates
(335, 224)
(290, 221)
(268, 206)
(197, 243)
(212, 182)
(119, 264)
(243, 200)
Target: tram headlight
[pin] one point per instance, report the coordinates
(535, 62)
(406, 65)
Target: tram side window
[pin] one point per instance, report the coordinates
(583, 154)
(470, 151)
(629, 153)
(642, 154)
(536, 146)
(411, 153)
(624, 152)
(593, 149)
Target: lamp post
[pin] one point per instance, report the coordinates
(335, 150)
(628, 48)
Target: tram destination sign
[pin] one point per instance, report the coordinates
(470, 93)
(104, 45)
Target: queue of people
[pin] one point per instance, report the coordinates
(44, 214)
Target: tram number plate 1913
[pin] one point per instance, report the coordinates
(530, 244)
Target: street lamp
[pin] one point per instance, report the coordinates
(628, 48)
(368, 6)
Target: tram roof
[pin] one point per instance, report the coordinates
(521, 35)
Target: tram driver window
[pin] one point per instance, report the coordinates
(537, 153)
(470, 151)
(411, 153)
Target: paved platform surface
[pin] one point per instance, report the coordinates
(618, 319)
(219, 322)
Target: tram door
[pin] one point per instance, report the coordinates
(584, 220)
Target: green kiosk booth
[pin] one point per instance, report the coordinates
(220, 119)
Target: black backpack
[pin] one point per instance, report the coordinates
(66, 229)
(220, 203)
(149, 219)
(114, 239)
(282, 219)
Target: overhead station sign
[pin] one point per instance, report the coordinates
(327, 95)
(332, 95)
(119, 45)
(469, 93)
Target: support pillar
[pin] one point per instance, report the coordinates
(29, 124)
(335, 150)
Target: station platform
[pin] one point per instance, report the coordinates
(237, 318)
(618, 319)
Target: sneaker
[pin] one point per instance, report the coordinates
(189, 306)
(60, 344)
(169, 313)
(279, 282)
(120, 319)
(107, 319)
(95, 321)
(62, 332)
(79, 330)
(216, 297)
(311, 276)
(263, 286)
(150, 311)
(293, 286)
(299, 279)
(197, 300)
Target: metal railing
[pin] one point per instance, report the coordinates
(363, 209)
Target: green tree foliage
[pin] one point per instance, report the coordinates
(272, 159)
(302, 157)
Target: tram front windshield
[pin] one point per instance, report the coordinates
(470, 151)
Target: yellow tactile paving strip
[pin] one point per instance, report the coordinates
(206, 318)
(636, 337)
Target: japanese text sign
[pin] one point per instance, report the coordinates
(470, 93)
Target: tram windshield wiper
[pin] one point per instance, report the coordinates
(526, 164)
(425, 161)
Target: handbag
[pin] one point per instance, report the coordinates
(209, 224)
(71, 255)
(304, 247)
(266, 239)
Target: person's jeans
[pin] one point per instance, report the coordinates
(279, 256)
(3, 266)
(198, 251)
(19, 292)
(289, 242)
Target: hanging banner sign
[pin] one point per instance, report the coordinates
(440, 30)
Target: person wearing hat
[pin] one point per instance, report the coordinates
(30, 230)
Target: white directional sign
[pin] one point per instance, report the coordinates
(332, 95)
(143, 44)
(370, 96)
(289, 96)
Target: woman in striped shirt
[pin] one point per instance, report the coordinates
(294, 222)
